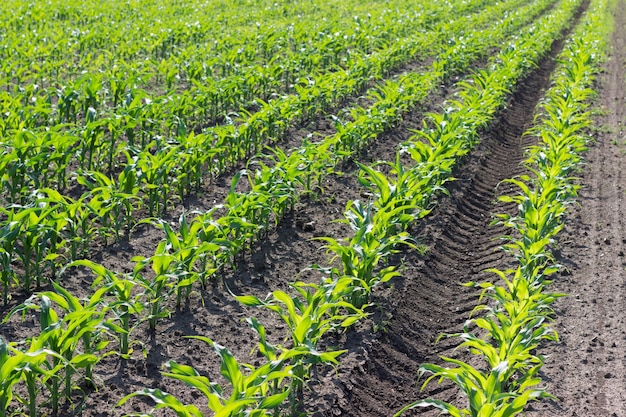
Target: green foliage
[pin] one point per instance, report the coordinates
(316, 310)
(376, 237)
(253, 391)
(509, 329)
(122, 304)
(76, 339)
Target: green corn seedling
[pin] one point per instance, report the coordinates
(316, 310)
(28, 367)
(254, 391)
(485, 391)
(375, 239)
(124, 305)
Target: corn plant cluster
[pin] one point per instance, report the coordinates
(63, 355)
(517, 318)
(177, 165)
(108, 123)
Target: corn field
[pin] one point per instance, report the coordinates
(220, 207)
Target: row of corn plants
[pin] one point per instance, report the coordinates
(59, 228)
(165, 167)
(379, 230)
(517, 319)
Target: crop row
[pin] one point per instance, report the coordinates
(49, 229)
(515, 321)
(178, 159)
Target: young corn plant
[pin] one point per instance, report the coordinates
(64, 335)
(121, 302)
(157, 289)
(185, 256)
(34, 232)
(7, 274)
(275, 189)
(486, 391)
(408, 189)
(517, 321)
(72, 220)
(29, 367)
(80, 227)
(238, 220)
(195, 166)
(375, 239)
(255, 392)
(540, 218)
(112, 203)
(84, 319)
(316, 310)
(91, 139)
(154, 174)
(222, 249)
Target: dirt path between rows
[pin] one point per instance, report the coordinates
(586, 370)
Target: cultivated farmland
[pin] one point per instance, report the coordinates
(285, 208)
